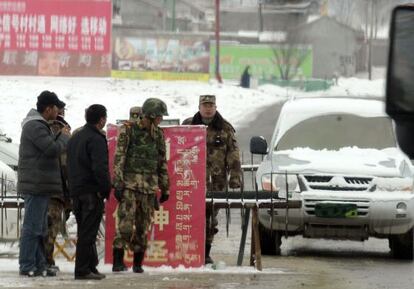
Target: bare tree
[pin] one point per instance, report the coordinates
(288, 58)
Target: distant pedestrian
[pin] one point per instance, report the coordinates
(245, 78)
(38, 179)
(89, 184)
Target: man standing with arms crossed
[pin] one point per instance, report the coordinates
(140, 169)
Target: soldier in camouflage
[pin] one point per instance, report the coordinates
(135, 115)
(58, 204)
(223, 159)
(140, 169)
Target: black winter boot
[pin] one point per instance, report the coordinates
(138, 258)
(118, 260)
(208, 259)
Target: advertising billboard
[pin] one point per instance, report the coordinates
(161, 58)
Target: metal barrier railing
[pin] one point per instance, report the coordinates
(11, 205)
(242, 199)
(254, 199)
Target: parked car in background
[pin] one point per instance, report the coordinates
(9, 155)
(340, 158)
(9, 152)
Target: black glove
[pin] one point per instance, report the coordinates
(163, 198)
(234, 182)
(118, 194)
(156, 204)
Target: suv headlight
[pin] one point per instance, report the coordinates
(280, 183)
(392, 184)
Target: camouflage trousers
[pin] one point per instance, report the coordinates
(54, 227)
(134, 219)
(211, 224)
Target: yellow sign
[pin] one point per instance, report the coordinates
(160, 75)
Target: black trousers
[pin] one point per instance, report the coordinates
(88, 210)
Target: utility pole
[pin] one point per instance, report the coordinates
(173, 16)
(218, 76)
(371, 36)
(164, 15)
(260, 15)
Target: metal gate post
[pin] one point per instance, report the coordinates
(245, 226)
(255, 249)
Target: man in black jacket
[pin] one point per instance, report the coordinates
(89, 185)
(38, 179)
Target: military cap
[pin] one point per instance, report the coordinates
(135, 113)
(207, 98)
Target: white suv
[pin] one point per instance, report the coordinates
(340, 158)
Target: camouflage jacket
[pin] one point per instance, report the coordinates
(56, 126)
(223, 155)
(140, 161)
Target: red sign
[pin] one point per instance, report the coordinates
(55, 37)
(55, 25)
(178, 234)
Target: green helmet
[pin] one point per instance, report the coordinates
(154, 107)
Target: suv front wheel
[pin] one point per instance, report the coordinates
(270, 241)
(402, 246)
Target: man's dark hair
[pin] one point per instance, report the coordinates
(94, 113)
(45, 99)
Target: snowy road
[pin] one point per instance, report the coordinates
(304, 264)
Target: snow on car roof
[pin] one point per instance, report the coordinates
(320, 106)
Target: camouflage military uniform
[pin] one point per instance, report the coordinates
(223, 161)
(140, 168)
(54, 226)
(57, 204)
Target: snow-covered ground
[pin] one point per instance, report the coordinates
(238, 105)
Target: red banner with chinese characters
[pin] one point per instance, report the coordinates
(55, 37)
(178, 233)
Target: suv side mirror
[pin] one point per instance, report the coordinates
(258, 145)
(400, 76)
(400, 73)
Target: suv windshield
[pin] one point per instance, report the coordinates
(336, 131)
